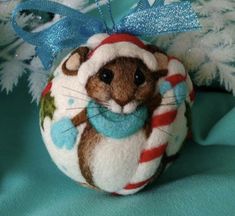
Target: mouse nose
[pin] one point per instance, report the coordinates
(122, 91)
(123, 97)
(121, 102)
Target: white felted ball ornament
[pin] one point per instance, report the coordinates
(115, 111)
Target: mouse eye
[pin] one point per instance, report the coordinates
(139, 77)
(106, 75)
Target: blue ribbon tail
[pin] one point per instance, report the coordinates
(158, 3)
(142, 5)
(163, 19)
(46, 56)
(69, 32)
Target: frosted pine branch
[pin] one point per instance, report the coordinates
(37, 78)
(227, 76)
(14, 52)
(10, 72)
(210, 53)
(6, 9)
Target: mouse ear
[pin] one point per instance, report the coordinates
(162, 61)
(73, 62)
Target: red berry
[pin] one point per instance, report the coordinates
(47, 89)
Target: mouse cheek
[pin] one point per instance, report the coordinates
(144, 93)
(98, 91)
(102, 95)
(140, 97)
(103, 92)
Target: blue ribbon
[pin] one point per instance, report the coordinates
(69, 32)
(75, 27)
(159, 19)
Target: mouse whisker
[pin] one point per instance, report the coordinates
(83, 99)
(67, 130)
(74, 90)
(182, 96)
(97, 114)
(105, 104)
(75, 97)
(168, 104)
(172, 135)
(86, 119)
(76, 108)
(169, 134)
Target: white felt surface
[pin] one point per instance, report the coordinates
(114, 163)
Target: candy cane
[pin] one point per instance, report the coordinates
(162, 121)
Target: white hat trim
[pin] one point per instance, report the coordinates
(108, 52)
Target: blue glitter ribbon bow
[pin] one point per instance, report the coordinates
(74, 28)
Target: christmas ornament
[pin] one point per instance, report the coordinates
(114, 113)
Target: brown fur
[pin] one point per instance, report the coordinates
(89, 139)
(80, 118)
(82, 51)
(154, 49)
(147, 129)
(122, 89)
(152, 104)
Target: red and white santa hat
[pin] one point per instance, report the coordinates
(105, 48)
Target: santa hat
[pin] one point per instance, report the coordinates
(105, 48)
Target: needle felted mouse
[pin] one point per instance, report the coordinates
(115, 111)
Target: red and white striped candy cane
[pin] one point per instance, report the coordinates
(163, 120)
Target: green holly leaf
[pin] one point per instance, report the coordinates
(47, 105)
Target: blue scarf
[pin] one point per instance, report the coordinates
(116, 125)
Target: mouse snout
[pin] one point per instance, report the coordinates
(122, 91)
(123, 96)
(122, 102)
(127, 108)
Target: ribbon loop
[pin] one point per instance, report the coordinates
(68, 32)
(75, 27)
(160, 19)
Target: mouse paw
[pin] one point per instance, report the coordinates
(180, 91)
(64, 133)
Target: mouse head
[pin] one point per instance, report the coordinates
(120, 75)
